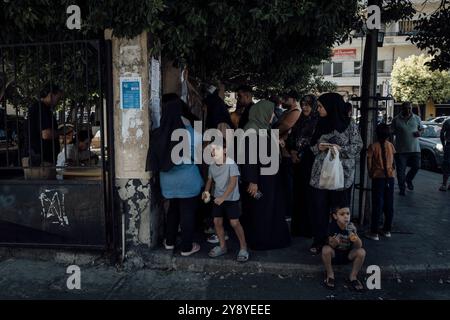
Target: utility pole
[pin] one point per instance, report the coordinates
(368, 113)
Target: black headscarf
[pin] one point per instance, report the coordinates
(336, 118)
(186, 111)
(161, 145)
(217, 111)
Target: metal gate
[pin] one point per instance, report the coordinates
(58, 193)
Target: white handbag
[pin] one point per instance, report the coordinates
(332, 174)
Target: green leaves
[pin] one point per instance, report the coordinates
(412, 80)
(433, 35)
(263, 43)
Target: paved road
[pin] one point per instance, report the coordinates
(26, 279)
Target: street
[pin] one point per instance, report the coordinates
(27, 279)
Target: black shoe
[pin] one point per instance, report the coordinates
(410, 185)
(402, 193)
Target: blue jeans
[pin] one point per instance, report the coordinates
(411, 159)
(382, 201)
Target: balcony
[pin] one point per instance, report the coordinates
(355, 75)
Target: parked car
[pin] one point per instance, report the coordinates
(436, 121)
(431, 147)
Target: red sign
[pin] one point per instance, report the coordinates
(344, 53)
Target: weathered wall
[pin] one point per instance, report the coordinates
(131, 130)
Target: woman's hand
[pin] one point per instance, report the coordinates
(252, 189)
(324, 146)
(334, 149)
(294, 157)
(338, 148)
(282, 143)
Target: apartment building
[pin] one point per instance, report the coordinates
(344, 69)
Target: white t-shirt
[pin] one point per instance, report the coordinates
(221, 177)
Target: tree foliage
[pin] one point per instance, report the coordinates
(263, 43)
(433, 35)
(269, 44)
(412, 80)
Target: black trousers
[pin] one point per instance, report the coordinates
(181, 211)
(286, 171)
(324, 201)
(382, 201)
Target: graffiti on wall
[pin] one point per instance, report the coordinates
(52, 207)
(7, 201)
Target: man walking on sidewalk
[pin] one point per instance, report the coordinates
(407, 128)
(445, 139)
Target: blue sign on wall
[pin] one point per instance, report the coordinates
(130, 93)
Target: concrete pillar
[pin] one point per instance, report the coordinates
(131, 131)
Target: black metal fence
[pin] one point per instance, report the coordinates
(55, 173)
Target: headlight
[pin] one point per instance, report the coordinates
(440, 147)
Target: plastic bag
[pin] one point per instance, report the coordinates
(332, 174)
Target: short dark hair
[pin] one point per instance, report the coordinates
(335, 209)
(275, 99)
(50, 88)
(383, 132)
(406, 104)
(245, 88)
(292, 94)
(84, 135)
(310, 100)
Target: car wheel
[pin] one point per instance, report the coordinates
(428, 161)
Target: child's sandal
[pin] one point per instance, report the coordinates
(329, 283)
(315, 249)
(356, 285)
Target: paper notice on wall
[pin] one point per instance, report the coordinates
(130, 93)
(155, 88)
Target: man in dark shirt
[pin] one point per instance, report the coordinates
(244, 104)
(43, 138)
(445, 139)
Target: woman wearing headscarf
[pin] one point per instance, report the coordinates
(298, 144)
(334, 128)
(264, 224)
(180, 182)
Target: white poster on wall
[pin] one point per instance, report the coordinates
(155, 92)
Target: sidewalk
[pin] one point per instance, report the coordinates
(420, 242)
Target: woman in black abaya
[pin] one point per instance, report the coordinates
(264, 224)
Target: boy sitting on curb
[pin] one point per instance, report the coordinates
(344, 246)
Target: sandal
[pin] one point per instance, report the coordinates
(329, 283)
(356, 285)
(315, 249)
(217, 252)
(167, 246)
(242, 255)
(195, 248)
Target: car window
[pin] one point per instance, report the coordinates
(431, 132)
(439, 120)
